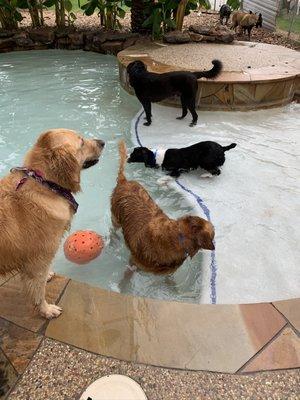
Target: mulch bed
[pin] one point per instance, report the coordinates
(93, 23)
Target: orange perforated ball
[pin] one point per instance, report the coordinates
(83, 246)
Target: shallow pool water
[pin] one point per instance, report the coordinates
(254, 203)
(81, 91)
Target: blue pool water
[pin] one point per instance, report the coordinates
(81, 91)
(253, 204)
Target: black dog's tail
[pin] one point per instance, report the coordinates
(231, 146)
(212, 73)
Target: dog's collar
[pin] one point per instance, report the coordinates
(54, 187)
(181, 239)
(159, 155)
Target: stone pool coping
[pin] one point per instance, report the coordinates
(236, 339)
(258, 88)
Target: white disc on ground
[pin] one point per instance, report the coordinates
(114, 387)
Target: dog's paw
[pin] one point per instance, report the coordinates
(179, 118)
(131, 268)
(193, 123)
(147, 123)
(51, 274)
(206, 175)
(50, 311)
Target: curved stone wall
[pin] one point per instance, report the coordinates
(261, 87)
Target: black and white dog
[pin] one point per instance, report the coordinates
(225, 12)
(206, 155)
(150, 87)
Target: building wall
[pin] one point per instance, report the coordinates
(218, 4)
(268, 8)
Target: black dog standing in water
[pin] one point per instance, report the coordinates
(207, 155)
(150, 87)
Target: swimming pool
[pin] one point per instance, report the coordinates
(81, 91)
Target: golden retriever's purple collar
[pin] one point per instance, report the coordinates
(54, 187)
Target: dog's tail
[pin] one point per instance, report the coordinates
(123, 158)
(231, 146)
(212, 73)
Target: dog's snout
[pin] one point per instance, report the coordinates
(100, 143)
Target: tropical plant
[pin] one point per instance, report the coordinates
(234, 4)
(169, 14)
(9, 14)
(184, 8)
(35, 8)
(108, 10)
(205, 4)
(140, 11)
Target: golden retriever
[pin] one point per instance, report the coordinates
(33, 218)
(158, 244)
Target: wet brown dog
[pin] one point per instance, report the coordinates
(157, 243)
(33, 218)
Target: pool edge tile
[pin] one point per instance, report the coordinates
(282, 353)
(291, 311)
(18, 344)
(220, 338)
(14, 305)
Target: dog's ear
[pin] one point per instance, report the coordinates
(206, 240)
(65, 167)
(57, 162)
(149, 159)
(202, 231)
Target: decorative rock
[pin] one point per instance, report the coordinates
(176, 37)
(196, 37)
(6, 34)
(220, 34)
(119, 36)
(7, 44)
(22, 39)
(63, 43)
(64, 32)
(112, 47)
(98, 40)
(130, 42)
(44, 36)
(67, 38)
(207, 38)
(226, 38)
(76, 40)
(202, 30)
(223, 34)
(88, 41)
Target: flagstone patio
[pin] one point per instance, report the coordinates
(98, 329)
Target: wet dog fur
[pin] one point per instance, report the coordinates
(157, 243)
(33, 219)
(206, 155)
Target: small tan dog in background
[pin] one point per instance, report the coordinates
(33, 218)
(158, 244)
